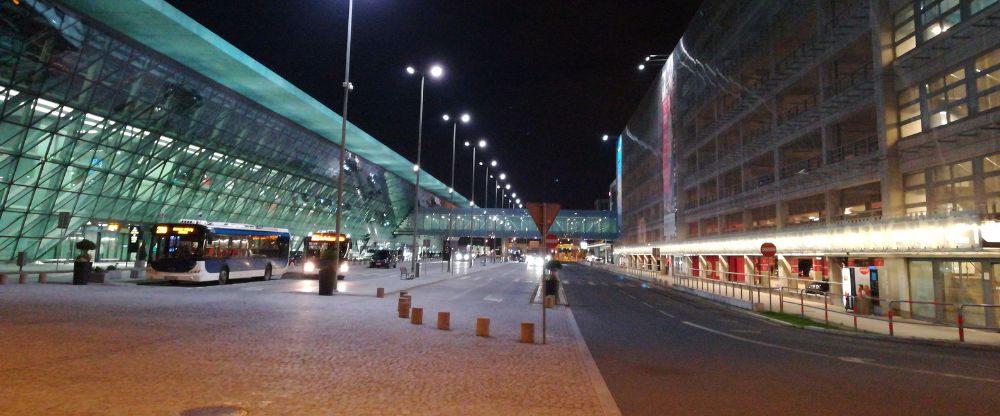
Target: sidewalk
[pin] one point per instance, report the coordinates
(276, 353)
(812, 306)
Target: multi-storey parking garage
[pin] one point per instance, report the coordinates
(857, 136)
(128, 112)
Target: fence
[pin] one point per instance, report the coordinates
(830, 309)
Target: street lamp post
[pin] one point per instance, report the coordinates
(436, 72)
(472, 202)
(451, 189)
(326, 288)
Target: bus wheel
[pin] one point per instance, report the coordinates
(224, 276)
(267, 273)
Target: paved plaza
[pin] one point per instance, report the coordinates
(277, 348)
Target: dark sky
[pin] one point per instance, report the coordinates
(543, 80)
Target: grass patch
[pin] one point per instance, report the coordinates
(798, 320)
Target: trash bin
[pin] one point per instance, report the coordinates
(552, 286)
(81, 272)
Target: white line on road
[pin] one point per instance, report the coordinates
(646, 304)
(492, 298)
(631, 296)
(665, 313)
(839, 358)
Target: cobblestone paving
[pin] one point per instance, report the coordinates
(125, 349)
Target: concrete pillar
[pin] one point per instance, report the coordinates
(833, 205)
(886, 111)
(780, 214)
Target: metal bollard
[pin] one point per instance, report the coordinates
(417, 316)
(482, 327)
(802, 303)
(826, 309)
(444, 321)
(22, 278)
(527, 333)
(961, 326)
(43, 277)
(891, 332)
(380, 292)
(781, 301)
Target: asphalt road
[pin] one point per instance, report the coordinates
(663, 352)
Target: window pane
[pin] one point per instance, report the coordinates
(906, 46)
(942, 173)
(910, 112)
(962, 189)
(991, 184)
(978, 5)
(988, 60)
(939, 118)
(914, 127)
(956, 76)
(987, 81)
(956, 93)
(991, 163)
(914, 179)
(961, 170)
(990, 101)
(915, 196)
(958, 112)
(909, 94)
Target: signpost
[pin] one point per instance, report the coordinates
(768, 250)
(551, 241)
(544, 214)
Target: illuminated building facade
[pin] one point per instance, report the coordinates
(127, 112)
(857, 135)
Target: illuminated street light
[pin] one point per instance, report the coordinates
(604, 138)
(435, 72)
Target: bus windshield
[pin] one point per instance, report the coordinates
(183, 242)
(317, 244)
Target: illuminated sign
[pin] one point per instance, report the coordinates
(134, 238)
(327, 237)
(264, 237)
(183, 230)
(113, 227)
(162, 229)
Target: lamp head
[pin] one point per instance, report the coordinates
(466, 118)
(446, 117)
(437, 71)
(411, 70)
(493, 163)
(482, 143)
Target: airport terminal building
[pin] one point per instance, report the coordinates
(126, 112)
(860, 137)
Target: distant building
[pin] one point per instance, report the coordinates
(855, 135)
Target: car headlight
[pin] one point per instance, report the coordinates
(343, 267)
(308, 267)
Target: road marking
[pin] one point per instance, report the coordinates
(744, 331)
(665, 313)
(492, 298)
(646, 304)
(834, 357)
(631, 296)
(592, 283)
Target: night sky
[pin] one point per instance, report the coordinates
(543, 80)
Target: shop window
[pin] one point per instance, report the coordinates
(921, 274)
(918, 210)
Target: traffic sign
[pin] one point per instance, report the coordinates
(768, 249)
(134, 238)
(551, 241)
(544, 214)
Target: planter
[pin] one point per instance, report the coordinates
(81, 272)
(113, 275)
(97, 277)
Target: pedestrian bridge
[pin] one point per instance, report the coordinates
(504, 223)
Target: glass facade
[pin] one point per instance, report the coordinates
(96, 125)
(969, 282)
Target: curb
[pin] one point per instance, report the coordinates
(604, 395)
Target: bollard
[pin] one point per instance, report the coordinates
(3, 279)
(891, 332)
(444, 321)
(417, 316)
(403, 293)
(482, 327)
(826, 310)
(961, 326)
(22, 278)
(404, 307)
(380, 292)
(781, 301)
(550, 301)
(802, 302)
(527, 332)
(43, 277)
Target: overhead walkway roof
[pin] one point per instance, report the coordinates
(163, 28)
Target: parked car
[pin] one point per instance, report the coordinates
(818, 288)
(384, 258)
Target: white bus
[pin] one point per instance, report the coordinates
(318, 245)
(200, 251)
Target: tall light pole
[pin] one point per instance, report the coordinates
(481, 144)
(327, 287)
(486, 186)
(465, 118)
(436, 71)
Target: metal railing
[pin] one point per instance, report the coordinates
(759, 290)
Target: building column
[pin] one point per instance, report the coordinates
(833, 205)
(886, 111)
